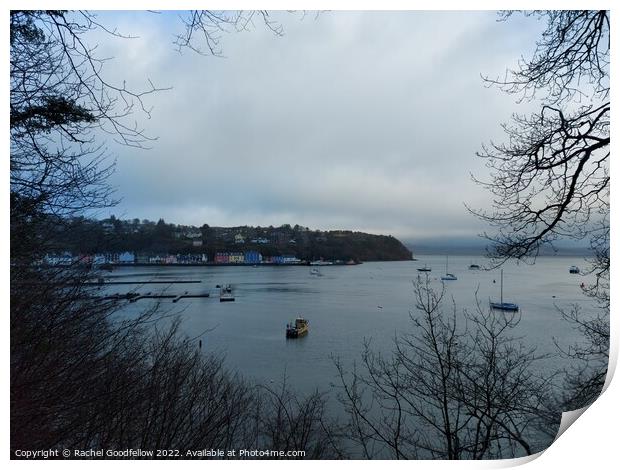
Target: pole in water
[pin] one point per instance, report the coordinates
(199, 344)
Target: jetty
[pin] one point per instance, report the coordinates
(134, 296)
(172, 281)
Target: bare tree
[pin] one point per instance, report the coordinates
(552, 177)
(203, 29)
(551, 180)
(84, 374)
(450, 389)
(289, 422)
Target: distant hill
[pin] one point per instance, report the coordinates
(88, 236)
(477, 246)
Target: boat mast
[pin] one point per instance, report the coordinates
(501, 288)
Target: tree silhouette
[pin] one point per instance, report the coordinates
(551, 180)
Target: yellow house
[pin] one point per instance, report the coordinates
(236, 258)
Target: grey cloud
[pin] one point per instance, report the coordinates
(363, 121)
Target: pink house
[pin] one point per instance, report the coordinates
(221, 258)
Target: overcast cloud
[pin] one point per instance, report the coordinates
(361, 121)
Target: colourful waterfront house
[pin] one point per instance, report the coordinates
(111, 258)
(127, 258)
(98, 259)
(170, 259)
(252, 257)
(85, 259)
(204, 258)
(236, 258)
(221, 258)
(65, 259)
(290, 259)
(279, 259)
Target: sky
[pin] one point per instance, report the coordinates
(363, 121)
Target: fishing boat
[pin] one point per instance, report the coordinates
(425, 269)
(297, 328)
(573, 270)
(448, 276)
(501, 305)
(226, 294)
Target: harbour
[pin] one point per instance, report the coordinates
(345, 306)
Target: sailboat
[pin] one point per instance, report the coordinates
(425, 269)
(501, 305)
(315, 272)
(448, 276)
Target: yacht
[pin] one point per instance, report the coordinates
(501, 305)
(448, 276)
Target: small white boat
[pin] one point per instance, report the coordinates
(573, 270)
(226, 294)
(425, 269)
(315, 272)
(448, 276)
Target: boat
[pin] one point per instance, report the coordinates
(315, 272)
(573, 270)
(501, 305)
(474, 266)
(321, 263)
(226, 294)
(425, 269)
(297, 328)
(448, 276)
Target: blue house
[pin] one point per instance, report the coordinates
(126, 258)
(252, 257)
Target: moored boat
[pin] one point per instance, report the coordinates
(501, 305)
(321, 263)
(573, 270)
(297, 328)
(508, 306)
(448, 276)
(226, 294)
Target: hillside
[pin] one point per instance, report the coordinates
(81, 235)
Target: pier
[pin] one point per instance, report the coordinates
(134, 296)
(173, 281)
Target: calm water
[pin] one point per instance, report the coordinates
(346, 305)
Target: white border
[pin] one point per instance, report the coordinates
(589, 444)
